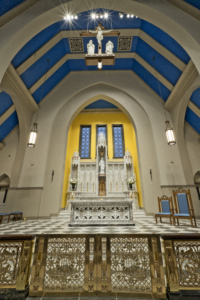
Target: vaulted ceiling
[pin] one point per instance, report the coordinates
(62, 45)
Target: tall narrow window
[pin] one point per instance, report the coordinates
(118, 141)
(85, 141)
(101, 128)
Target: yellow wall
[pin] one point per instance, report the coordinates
(93, 120)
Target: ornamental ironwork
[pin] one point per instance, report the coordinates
(10, 254)
(65, 265)
(76, 45)
(130, 265)
(187, 254)
(124, 44)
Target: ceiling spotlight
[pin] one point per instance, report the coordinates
(97, 16)
(132, 16)
(67, 17)
(121, 15)
(128, 16)
(93, 16)
(76, 17)
(106, 15)
(136, 16)
(72, 17)
(101, 16)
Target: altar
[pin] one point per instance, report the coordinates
(102, 191)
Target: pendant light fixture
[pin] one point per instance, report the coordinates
(33, 133)
(168, 130)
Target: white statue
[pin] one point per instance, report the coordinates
(109, 48)
(100, 33)
(90, 48)
(102, 166)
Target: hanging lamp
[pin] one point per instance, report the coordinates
(33, 133)
(168, 130)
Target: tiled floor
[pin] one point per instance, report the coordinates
(61, 227)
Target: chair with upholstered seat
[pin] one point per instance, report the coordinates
(16, 214)
(165, 206)
(183, 206)
(2, 215)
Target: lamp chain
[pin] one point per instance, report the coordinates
(159, 87)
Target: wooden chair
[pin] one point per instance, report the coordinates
(4, 215)
(16, 214)
(183, 206)
(166, 209)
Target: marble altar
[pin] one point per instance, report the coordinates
(102, 177)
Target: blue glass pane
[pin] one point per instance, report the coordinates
(85, 142)
(118, 142)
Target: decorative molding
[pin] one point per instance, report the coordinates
(124, 43)
(25, 188)
(178, 186)
(187, 78)
(7, 114)
(101, 111)
(16, 11)
(194, 108)
(1, 146)
(186, 7)
(76, 44)
(20, 88)
(124, 32)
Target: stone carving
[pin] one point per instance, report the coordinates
(128, 158)
(124, 43)
(100, 33)
(75, 158)
(101, 212)
(102, 166)
(76, 44)
(90, 48)
(109, 48)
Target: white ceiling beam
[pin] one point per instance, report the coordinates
(134, 55)
(20, 88)
(186, 7)
(7, 114)
(194, 108)
(187, 78)
(123, 32)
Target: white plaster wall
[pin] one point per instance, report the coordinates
(143, 107)
(8, 153)
(193, 148)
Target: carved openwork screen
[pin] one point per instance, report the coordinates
(187, 254)
(95, 264)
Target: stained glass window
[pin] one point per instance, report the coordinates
(118, 141)
(101, 128)
(85, 141)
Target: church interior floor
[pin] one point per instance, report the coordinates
(61, 227)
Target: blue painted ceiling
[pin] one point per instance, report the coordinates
(6, 5)
(144, 50)
(195, 3)
(100, 104)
